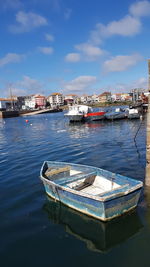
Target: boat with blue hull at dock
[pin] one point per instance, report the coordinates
(93, 191)
(116, 114)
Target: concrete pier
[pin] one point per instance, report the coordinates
(147, 178)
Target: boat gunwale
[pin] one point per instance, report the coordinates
(100, 197)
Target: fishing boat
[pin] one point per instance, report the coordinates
(76, 112)
(133, 113)
(93, 191)
(94, 116)
(118, 113)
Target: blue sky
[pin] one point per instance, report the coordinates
(73, 46)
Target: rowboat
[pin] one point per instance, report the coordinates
(93, 191)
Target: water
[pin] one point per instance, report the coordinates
(36, 231)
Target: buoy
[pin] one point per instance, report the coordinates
(27, 121)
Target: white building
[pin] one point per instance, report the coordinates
(94, 98)
(71, 99)
(84, 99)
(56, 99)
(30, 102)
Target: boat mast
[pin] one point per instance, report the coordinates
(11, 97)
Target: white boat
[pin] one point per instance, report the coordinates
(133, 113)
(77, 112)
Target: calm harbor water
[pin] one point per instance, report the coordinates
(36, 231)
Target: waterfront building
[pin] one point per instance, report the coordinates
(29, 102)
(105, 97)
(116, 97)
(136, 94)
(34, 101)
(71, 99)
(20, 102)
(94, 98)
(56, 99)
(126, 97)
(83, 98)
(40, 101)
(121, 97)
(8, 103)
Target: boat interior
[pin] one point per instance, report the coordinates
(89, 181)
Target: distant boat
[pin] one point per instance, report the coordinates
(90, 190)
(83, 113)
(118, 113)
(133, 113)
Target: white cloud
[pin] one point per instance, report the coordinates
(67, 13)
(72, 57)
(127, 26)
(140, 8)
(29, 85)
(89, 52)
(121, 63)
(46, 50)
(10, 58)
(27, 21)
(79, 84)
(49, 37)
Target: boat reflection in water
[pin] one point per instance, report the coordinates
(98, 236)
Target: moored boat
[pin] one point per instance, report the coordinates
(133, 113)
(76, 113)
(90, 190)
(118, 113)
(94, 116)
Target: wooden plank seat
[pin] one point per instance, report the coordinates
(51, 171)
(87, 179)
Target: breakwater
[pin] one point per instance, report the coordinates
(9, 114)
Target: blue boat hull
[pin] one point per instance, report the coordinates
(104, 208)
(115, 115)
(101, 210)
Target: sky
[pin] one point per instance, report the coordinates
(73, 46)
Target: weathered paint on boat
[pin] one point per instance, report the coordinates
(105, 206)
(118, 113)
